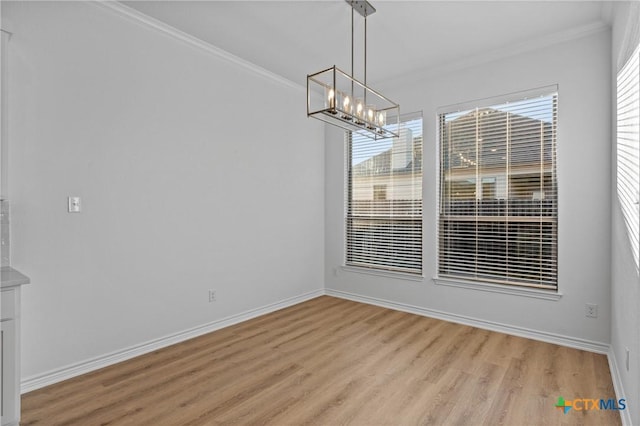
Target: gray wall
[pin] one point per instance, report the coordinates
(581, 69)
(190, 179)
(625, 295)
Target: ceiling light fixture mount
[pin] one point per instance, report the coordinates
(337, 98)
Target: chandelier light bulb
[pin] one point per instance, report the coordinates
(346, 107)
(359, 111)
(331, 98)
(370, 116)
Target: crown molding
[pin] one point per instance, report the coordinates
(497, 54)
(162, 27)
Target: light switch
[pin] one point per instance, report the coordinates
(74, 204)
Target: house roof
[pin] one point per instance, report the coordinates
(381, 164)
(479, 136)
(491, 135)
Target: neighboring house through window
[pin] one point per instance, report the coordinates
(498, 198)
(384, 200)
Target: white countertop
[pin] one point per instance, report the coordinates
(9, 277)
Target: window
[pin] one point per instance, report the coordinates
(498, 199)
(384, 200)
(379, 192)
(627, 148)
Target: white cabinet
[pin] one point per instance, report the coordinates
(11, 281)
(10, 383)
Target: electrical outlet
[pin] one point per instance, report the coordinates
(212, 296)
(73, 204)
(628, 358)
(591, 310)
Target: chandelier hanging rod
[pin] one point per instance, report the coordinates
(364, 8)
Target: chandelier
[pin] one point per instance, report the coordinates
(337, 98)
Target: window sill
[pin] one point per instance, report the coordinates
(382, 273)
(497, 288)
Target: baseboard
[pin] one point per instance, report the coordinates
(558, 339)
(625, 415)
(32, 383)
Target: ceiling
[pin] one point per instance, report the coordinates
(295, 38)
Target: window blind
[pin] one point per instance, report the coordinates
(628, 148)
(498, 198)
(384, 199)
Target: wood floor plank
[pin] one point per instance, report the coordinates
(330, 361)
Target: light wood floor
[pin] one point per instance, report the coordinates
(330, 361)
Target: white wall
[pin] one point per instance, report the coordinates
(625, 294)
(193, 175)
(581, 69)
